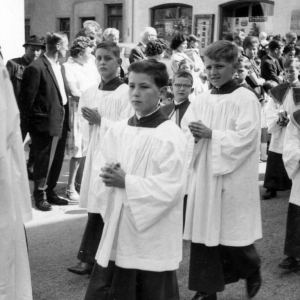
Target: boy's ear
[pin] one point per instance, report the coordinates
(163, 92)
(120, 61)
(192, 91)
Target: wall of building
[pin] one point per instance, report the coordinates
(12, 29)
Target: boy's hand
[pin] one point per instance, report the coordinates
(113, 176)
(91, 115)
(199, 131)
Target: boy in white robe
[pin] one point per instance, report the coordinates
(143, 174)
(291, 158)
(99, 108)
(15, 201)
(223, 217)
(284, 100)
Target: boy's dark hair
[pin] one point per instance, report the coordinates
(289, 48)
(177, 41)
(54, 38)
(292, 62)
(156, 70)
(274, 44)
(244, 62)
(183, 74)
(222, 50)
(109, 46)
(250, 41)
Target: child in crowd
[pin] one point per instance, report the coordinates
(282, 103)
(223, 212)
(198, 86)
(291, 158)
(289, 51)
(100, 106)
(140, 189)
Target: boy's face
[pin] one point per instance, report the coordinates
(291, 74)
(182, 88)
(219, 71)
(241, 74)
(251, 52)
(290, 54)
(107, 64)
(143, 93)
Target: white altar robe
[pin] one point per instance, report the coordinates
(224, 203)
(277, 131)
(291, 159)
(110, 105)
(143, 222)
(15, 201)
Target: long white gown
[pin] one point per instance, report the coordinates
(223, 206)
(15, 202)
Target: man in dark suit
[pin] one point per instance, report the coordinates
(138, 52)
(44, 101)
(270, 67)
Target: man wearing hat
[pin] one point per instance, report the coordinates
(16, 67)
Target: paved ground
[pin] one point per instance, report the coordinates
(54, 239)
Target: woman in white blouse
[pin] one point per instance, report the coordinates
(81, 73)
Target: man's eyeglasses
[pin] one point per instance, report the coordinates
(186, 86)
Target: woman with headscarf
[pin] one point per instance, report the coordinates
(81, 73)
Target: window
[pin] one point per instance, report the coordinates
(64, 26)
(115, 18)
(27, 29)
(86, 19)
(173, 19)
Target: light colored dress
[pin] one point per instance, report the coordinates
(84, 76)
(176, 58)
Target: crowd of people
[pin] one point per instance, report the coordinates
(156, 159)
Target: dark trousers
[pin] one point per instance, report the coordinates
(211, 268)
(41, 145)
(292, 237)
(91, 238)
(115, 283)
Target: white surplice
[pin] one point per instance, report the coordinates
(224, 204)
(277, 131)
(110, 105)
(291, 158)
(143, 222)
(15, 201)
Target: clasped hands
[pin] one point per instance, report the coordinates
(91, 115)
(199, 131)
(113, 176)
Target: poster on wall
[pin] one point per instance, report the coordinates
(295, 21)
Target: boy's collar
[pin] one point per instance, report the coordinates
(111, 85)
(226, 88)
(177, 104)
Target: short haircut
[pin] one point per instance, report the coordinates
(110, 31)
(54, 38)
(79, 44)
(109, 46)
(243, 61)
(156, 70)
(250, 41)
(274, 44)
(289, 48)
(229, 37)
(177, 41)
(293, 62)
(183, 74)
(222, 50)
(186, 62)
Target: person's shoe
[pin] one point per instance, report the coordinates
(54, 199)
(253, 283)
(43, 205)
(289, 263)
(81, 268)
(269, 194)
(204, 296)
(73, 196)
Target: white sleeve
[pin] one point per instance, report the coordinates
(271, 111)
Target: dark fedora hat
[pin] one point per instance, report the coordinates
(33, 40)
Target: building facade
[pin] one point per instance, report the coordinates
(208, 19)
